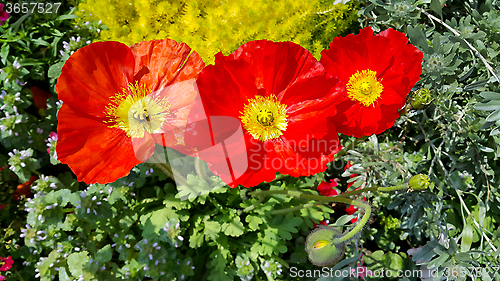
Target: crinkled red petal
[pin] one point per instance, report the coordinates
(160, 63)
(93, 74)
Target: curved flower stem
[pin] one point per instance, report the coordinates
(367, 208)
(350, 146)
(456, 33)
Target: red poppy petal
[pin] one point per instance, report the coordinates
(277, 65)
(160, 63)
(40, 97)
(93, 74)
(181, 98)
(95, 152)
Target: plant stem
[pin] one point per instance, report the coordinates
(296, 208)
(375, 188)
(298, 193)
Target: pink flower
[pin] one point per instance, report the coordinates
(5, 263)
(2, 205)
(3, 15)
(361, 270)
(51, 140)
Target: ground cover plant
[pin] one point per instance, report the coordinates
(173, 140)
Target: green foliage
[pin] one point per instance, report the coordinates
(210, 27)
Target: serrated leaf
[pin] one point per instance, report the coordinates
(288, 226)
(234, 228)
(212, 228)
(196, 239)
(253, 222)
(152, 223)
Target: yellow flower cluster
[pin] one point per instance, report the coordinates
(213, 26)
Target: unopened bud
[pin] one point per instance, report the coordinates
(421, 98)
(321, 247)
(419, 182)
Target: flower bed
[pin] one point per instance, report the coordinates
(226, 141)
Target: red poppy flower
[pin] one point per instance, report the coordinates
(25, 188)
(5, 263)
(119, 101)
(377, 72)
(327, 189)
(40, 97)
(266, 106)
(318, 224)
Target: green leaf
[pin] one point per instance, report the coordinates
(234, 228)
(494, 116)
(467, 237)
(196, 239)
(488, 106)
(288, 226)
(4, 52)
(152, 223)
(436, 7)
(475, 85)
(253, 222)
(104, 255)
(490, 95)
(65, 17)
(76, 261)
(212, 229)
(55, 70)
(417, 37)
(63, 275)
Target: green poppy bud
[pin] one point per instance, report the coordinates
(320, 246)
(419, 182)
(421, 98)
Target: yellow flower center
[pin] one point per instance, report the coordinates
(136, 110)
(364, 87)
(264, 118)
